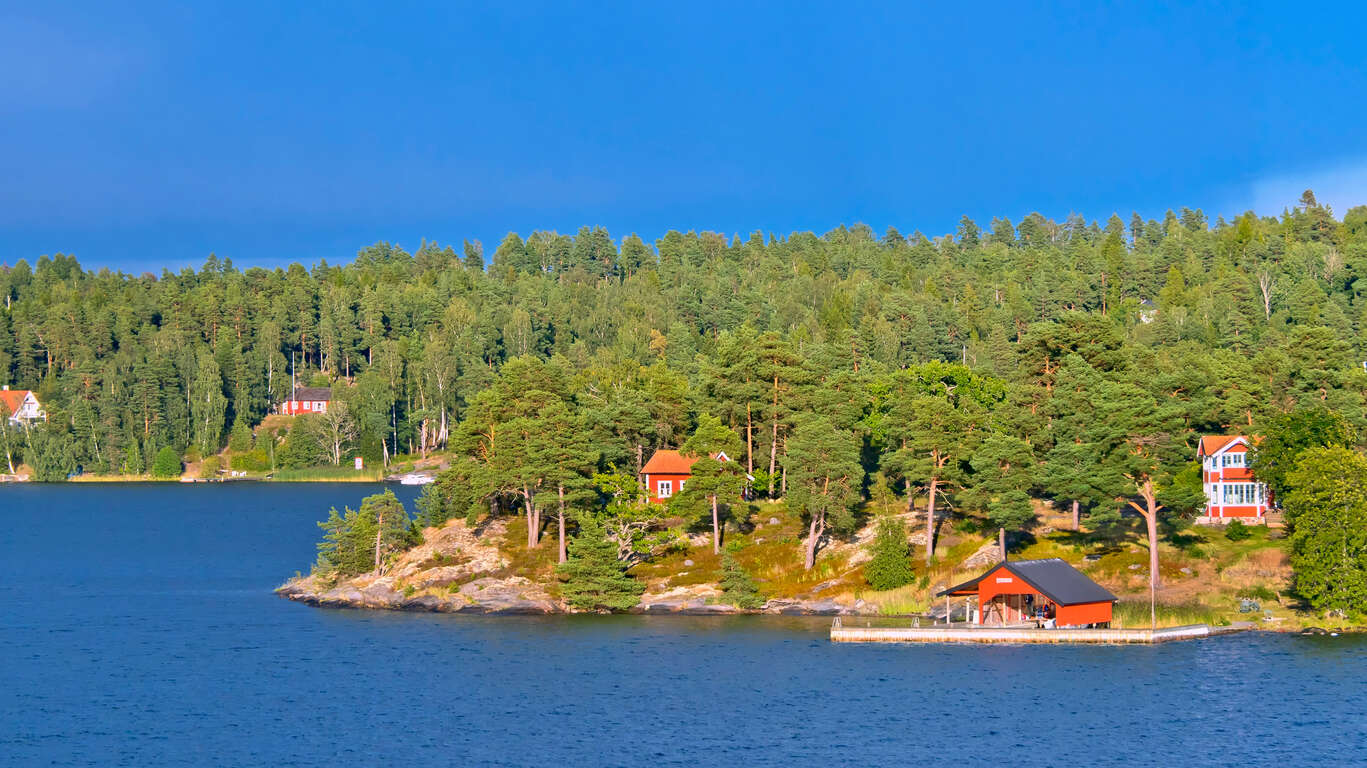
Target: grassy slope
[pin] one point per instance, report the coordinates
(1204, 573)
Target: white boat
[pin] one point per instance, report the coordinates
(416, 478)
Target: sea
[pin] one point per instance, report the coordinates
(138, 627)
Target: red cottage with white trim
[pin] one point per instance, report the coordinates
(1231, 490)
(667, 471)
(307, 400)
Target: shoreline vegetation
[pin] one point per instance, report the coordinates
(486, 568)
(962, 383)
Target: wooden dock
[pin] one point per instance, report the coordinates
(849, 631)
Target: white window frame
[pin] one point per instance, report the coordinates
(1242, 494)
(664, 488)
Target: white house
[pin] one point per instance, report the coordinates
(1231, 490)
(20, 406)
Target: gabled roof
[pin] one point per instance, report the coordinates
(1054, 578)
(668, 461)
(1213, 444)
(11, 399)
(312, 393)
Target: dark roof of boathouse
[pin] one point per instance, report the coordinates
(1054, 578)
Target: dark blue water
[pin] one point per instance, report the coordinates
(139, 629)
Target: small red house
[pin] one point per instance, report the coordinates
(1231, 490)
(1022, 591)
(307, 400)
(667, 471)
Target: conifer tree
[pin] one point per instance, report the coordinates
(891, 564)
(824, 482)
(713, 483)
(594, 579)
(358, 541)
(737, 586)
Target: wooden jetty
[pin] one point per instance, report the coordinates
(849, 631)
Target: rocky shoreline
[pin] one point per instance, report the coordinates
(518, 596)
(460, 570)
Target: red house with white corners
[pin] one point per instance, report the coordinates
(1232, 493)
(307, 400)
(667, 471)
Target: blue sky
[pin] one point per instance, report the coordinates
(142, 136)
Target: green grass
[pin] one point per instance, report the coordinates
(1134, 614)
(327, 474)
(901, 601)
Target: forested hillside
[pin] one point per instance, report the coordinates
(1222, 323)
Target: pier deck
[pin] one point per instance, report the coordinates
(849, 631)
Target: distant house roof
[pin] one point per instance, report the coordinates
(312, 393)
(12, 399)
(667, 461)
(1054, 578)
(1213, 444)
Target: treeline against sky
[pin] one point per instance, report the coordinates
(1224, 323)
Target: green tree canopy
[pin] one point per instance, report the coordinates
(714, 484)
(890, 566)
(824, 480)
(1328, 498)
(594, 578)
(1286, 435)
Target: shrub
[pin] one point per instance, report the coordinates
(737, 586)
(300, 448)
(50, 452)
(240, 438)
(251, 461)
(1257, 592)
(167, 464)
(210, 466)
(1237, 531)
(890, 567)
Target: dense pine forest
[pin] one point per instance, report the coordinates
(1068, 360)
(1236, 320)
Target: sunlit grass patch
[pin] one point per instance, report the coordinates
(909, 599)
(1134, 614)
(327, 474)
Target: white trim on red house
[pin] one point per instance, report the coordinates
(1230, 488)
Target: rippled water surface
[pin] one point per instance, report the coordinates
(138, 628)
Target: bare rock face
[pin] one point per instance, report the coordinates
(988, 554)
(514, 594)
(807, 608)
(699, 539)
(422, 578)
(690, 599)
(453, 548)
(440, 576)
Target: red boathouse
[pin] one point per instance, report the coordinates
(1048, 591)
